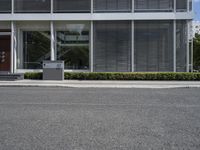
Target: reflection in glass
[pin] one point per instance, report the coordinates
(36, 48)
(73, 46)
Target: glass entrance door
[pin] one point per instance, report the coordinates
(5, 52)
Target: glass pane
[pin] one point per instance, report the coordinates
(112, 46)
(153, 46)
(190, 5)
(112, 5)
(73, 45)
(154, 5)
(181, 46)
(36, 48)
(181, 5)
(5, 6)
(32, 6)
(61, 6)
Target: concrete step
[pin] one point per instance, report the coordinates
(11, 77)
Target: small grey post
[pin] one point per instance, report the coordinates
(53, 70)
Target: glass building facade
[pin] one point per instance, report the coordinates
(99, 35)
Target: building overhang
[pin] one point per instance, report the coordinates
(96, 16)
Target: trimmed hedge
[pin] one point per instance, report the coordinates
(122, 76)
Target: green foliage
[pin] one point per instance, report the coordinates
(122, 76)
(197, 52)
(33, 76)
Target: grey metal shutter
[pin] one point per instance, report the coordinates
(167, 5)
(29, 6)
(5, 6)
(181, 46)
(112, 46)
(153, 46)
(72, 6)
(112, 5)
(181, 5)
(153, 5)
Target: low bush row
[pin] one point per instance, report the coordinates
(122, 76)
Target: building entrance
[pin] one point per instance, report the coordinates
(5, 52)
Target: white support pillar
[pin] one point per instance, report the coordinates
(13, 48)
(52, 41)
(132, 47)
(174, 44)
(92, 47)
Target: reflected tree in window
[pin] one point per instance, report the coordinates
(36, 48)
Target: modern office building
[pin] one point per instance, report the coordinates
(96, 35)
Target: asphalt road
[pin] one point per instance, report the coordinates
(99, 119)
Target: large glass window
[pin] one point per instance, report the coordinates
(181, 5)
(73, 44)
(112, 46)
(181, 46)
(5, 6)
(33, 44)
(153, 46)
(154, 5)
(112, 5)
(36, 48)
(62, 6)
(32, 6)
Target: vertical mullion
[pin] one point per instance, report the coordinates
(174, 5)
(52, 41)
(188, 5)
(192, 53)
(12, 6)
(52, 6)
(133, 6)
(132, 47)
(92, 6)
(91, 47)
(174, 44)
(12, 47)
(188, 47)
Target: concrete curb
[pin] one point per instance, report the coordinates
(102, 84)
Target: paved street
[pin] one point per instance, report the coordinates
(37, 118)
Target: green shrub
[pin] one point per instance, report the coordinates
(33, 76)
(122, 76)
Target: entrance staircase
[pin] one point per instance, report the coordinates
(6, 76)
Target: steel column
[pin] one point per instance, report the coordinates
(91, 46)
(174, 44)
(132, 47)
(52, 41)
(188, 47)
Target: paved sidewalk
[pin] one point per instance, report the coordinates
(101, 84)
